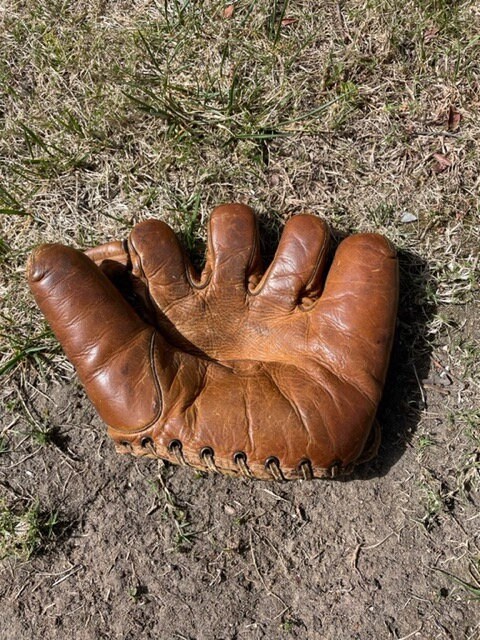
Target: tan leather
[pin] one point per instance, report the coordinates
(276, 374)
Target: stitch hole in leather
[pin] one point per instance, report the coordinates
(175, 448)
(240, 459)
(126, 444)
(305, 468)
(208, 457)
(272, 465)
(148, 444)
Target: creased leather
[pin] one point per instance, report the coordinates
(265, 373)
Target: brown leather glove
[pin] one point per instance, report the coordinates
(273, 374)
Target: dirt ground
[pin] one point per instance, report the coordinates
(213, 557)
(364, 112)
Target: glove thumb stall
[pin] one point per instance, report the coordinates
(109, 345)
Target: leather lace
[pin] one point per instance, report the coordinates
(272, 465)
(175, 448)
(240, 459)
(208, 457)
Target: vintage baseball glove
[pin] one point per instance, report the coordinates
(274, 374)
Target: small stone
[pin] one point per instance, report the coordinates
(408, 217)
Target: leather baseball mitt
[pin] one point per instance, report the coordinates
(274, 374)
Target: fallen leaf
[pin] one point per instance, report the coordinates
(430, 34)
(454, 118)
(287, 21)
(442, 163)
(228, 11)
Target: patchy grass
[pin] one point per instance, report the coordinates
(184, 535)
(107, 121)
(25, 531)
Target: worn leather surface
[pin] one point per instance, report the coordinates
(269, 374)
